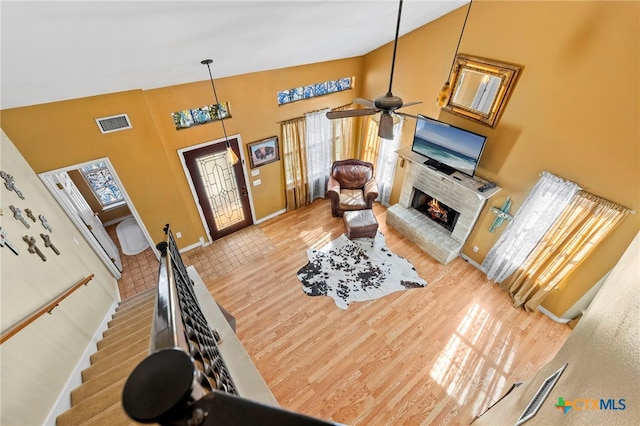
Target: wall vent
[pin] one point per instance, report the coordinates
(113, 123)
(540, 396)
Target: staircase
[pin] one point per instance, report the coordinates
(123, 346)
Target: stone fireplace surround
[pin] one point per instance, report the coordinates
(457, 191)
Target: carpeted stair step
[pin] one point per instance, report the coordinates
(141, 305)
(112, 416)
(141, 313)
(126, 327)
(93, 405)
(139, 350)
(106, 378)
(128, 313)
(117, 342)
(145, 295)
(112, 342)
(123, 346)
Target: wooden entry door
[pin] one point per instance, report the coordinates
(220, 187)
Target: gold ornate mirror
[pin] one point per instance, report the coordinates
(480, 88)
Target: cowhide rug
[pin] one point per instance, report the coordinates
(356, 271)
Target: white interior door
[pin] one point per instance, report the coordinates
(79, 207)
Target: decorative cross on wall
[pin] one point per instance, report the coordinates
(4, 241)
(10, 184)
(17, 214)
(45, 223)
(33, 248)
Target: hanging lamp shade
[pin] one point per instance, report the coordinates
(445, 92)
(385, 130)
(231, 155)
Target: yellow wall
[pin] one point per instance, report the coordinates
(574, 111)
(60, 134)
(255, 116)
(145, 157)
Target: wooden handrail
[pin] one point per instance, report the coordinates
(12, 331)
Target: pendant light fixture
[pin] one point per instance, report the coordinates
(445, 92)
(231, 156)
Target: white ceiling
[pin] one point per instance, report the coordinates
(57, 50)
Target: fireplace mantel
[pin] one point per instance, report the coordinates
(457, 190)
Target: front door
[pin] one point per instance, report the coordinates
(220, 187)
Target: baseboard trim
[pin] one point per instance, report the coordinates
(471, 261)
(552, 316)
(271, 216)
(540, 307)
(63, 403)
(191, 247)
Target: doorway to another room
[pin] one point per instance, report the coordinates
(96, 202)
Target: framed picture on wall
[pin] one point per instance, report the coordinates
(263, 152)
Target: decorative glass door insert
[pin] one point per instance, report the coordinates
(220, 188)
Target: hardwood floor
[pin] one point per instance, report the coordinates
(438, 355)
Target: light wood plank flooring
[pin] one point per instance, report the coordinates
(438, 355)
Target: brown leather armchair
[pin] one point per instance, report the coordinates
(351, 186)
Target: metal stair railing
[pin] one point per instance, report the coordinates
(184, 380)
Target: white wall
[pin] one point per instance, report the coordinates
(36, 363)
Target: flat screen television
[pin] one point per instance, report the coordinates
(447, 148)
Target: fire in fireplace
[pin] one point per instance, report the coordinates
(435, 210)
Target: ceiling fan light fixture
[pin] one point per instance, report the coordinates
(231, 155)
(445, 93)
(376, 118)
(385, 127)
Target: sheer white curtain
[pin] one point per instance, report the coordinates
(319, 152)
(544, 204)
(386, 163)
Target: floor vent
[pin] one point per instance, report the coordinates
(113, 123)
(540, 396)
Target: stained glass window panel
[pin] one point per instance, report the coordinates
(102, 184)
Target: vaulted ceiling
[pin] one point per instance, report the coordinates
(57, 50)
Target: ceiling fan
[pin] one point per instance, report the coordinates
(385, 105)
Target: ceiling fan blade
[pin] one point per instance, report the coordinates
(404, 114)
(410, 103)
(351, 113)
(385, 127)
(364, 102)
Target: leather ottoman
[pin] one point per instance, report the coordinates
(360, 224)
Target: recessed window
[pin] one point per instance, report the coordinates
(103, 185)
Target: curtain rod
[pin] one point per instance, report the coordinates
(630, 211)
(311, 112)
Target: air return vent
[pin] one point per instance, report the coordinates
(113, 123)
(540, 396)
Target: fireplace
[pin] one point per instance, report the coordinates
(434, 209)
(456, 192)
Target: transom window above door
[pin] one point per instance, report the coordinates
(103, 185)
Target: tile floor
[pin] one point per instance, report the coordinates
(140, 271)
